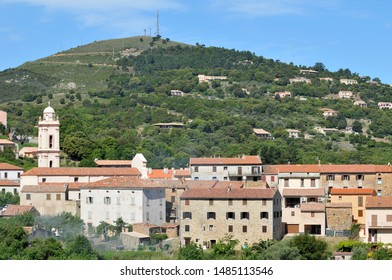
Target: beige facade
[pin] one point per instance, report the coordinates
(339, 216)
(379, 219)
(248, 215)
(49, 200)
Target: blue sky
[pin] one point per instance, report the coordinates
(339, 33)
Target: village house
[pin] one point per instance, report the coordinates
(49, 200)
(379, 219)
(308, 71)
(6, 144)
(204, 78)
(325, 130)
(182, 174)
(348, 81)
(339, 216)
(345, 94)
(28, 152)
(9, 186)
(113, 163)
(246, 214)
(261, 133)
(293, 133)
(384, 105)
(226, 169)
(300, 80)
(360, 103)
(135, 200)
(14, 210)
(10, 171)
(176, 92)
(270, 175)
(169, 125)
(327, 112)
(357, 198)
(326, 79)
(283, 94)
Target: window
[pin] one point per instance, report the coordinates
(245, 215)
(302, 183)
(230, 202)
(379, 181)
(5, 175)
(312, 214)
(244, 229)
(211, 227)
(28, 196)
(264, 229)
(292, 213)
(379, 192)
(272, 179)
(89, 199)
(48, 196)
(50, 141)
(196, 178)
(186, 201)
(196, 168)
(264, 202)
(3, 190)
(340, 197)
(214, 169)
(132, 201)
(239, 170)
(147, 216)
(225, 178)
(263, 215)
(187, 215)
(118, 200)
(360, 201)
(360, 177)
(161, 202)
(313, 183)
(148, 202)
(187, 228)
(58, 196)
(18, 174)
(230, 228)
(160, 215)
(43, 180)
(224, 167)
(76, 179)
(360, 213)
(245, 202)
(107, 200)
(211, 215)
(389, 218)
(345, 177)
(211, 202)
(230, 215)
(330, 177)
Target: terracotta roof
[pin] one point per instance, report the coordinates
(379, 202)
(7, 166)
(312, 207)
(298, 168)
(222, 193)
(347, 168)
(44, 189)
(160, 174)
(270, 169)
(29, 150)
(124, 182)
(13, 210)
(339, 205)
(71, 186)
(6, 142)
(5, 182)
(244, 160)
(82, 171)
(182, 173)
(229, 184)
(383, 168)
(107, 162)
(316, 192)
(260, 131)
(352, 191)
(170, 225)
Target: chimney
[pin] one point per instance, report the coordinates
(228, 189)
(165, 170)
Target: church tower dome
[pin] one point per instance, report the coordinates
(49, 139)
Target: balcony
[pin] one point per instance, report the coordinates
(379, 225)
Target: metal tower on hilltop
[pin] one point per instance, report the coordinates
(157, 32)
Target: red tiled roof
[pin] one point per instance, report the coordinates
(383, 168)
(339, 205)
(182, 173)
(82, 171)
(348, 168)
(316, 192)
(244, 160)
(71, 186)
(6, 142)
(298, 168)
(223, 193)
(124, 182)
(352, 191)
(379, 202)
(160, 174)
(5, 182)
(312, 207)
(44, 189)
(7, 166)
(106, 162)
(270, 170)
(13, 210)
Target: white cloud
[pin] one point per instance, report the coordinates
(257, 8)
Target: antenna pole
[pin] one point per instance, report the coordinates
(157, 23)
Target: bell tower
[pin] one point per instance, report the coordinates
(49, 139)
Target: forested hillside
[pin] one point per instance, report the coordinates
(108, 108)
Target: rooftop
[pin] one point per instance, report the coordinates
(124, 182)
(244, 160)
(7, 166)
(316, 192)
(379, 202)
(228, 193)
(352, 191)
(108, 162)
(82, 171)
(13, 210)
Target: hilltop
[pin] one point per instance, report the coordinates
(111, 94)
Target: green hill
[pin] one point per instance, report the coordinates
(109, 94)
